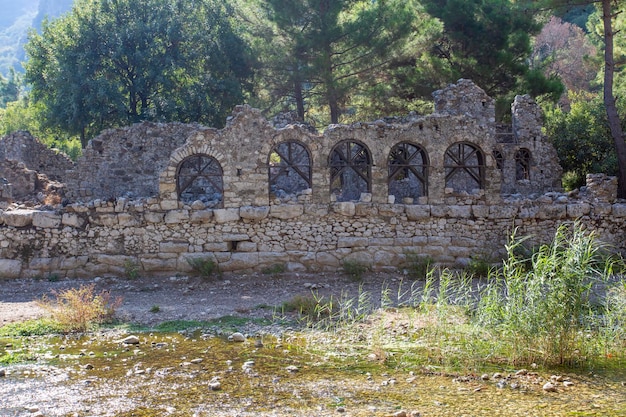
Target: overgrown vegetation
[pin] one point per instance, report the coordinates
(354, 269)
(203, 267)
(79, 309)
(564, 305)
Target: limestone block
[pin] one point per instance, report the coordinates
(390, 210)
(226, 215)
(72, 220)
(366, 198)
(602, 209)
(246, 247)
(169, 205)
(44, 264)
(385, 258)
(156, 265)
(575, 211)
(111, 260)
(503, 212)
(216, 247)
(201, 216)
(352, 242)
(345, 208)
(241, 261)
(317, 210)
(417, 212)
(106, 219)
(380, 241)
(480, 211)
(286, 211)
(366, 210)
(327, 259)
(127, 220)
(154, 217)
(10, 268)
(295, 267)
(552, 211)
(619, 210)
(74, 262)
(176, 216)
(46, 219)
(361, 257)
(18, 218)
(235, 237)
(254, 213)
(529, 212)
(174, 247)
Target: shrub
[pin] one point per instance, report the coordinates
(203, 267)
(274, 269)
(418, 267)
(131, 269)
(78, 309)
(354, 269)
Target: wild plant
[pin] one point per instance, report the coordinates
(355, 269)
(546, 312)
(78, 309)
(203, 267)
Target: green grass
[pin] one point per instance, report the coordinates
(37, 327)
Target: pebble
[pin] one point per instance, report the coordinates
(237, 337)
(549, 387)
(292, 368)
(197, 360)
(130, 340)
(568, 383)
(484, 377)
(3, 373)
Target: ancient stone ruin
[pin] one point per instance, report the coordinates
(451, 186)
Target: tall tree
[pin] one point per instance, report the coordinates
(329, 45)
(609, 10)
(9, 88)
(489, 42)
(115, 62)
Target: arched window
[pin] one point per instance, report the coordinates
(289, 170)
(350, 170)
(522, 164)
(200, 177)
(465, 167)
(408, 172)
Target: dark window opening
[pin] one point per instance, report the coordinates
(408, 172)
(465, 168)
(289, 170)
(522, 164)
(350, 171)
(200, 177)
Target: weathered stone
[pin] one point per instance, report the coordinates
(10, 268)
(46, 219)
(352, 242)
(286, 211)
(176, 216)
(346, 208)
(174, 247)
(201, 216)
(417, 212)
(254, 213)
(226, 215)
(18, 218)
(73, 220)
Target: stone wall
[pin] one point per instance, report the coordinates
(101, 238)
(449, 185)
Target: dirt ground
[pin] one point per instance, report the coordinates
(192, 298)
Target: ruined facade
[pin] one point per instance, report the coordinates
(451, 185)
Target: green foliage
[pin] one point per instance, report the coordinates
(480, 36)
(418, 267)
(9, 89)
(78, 309)
(155, 309)
(582, 138)
(131, 269)
(479, 266)
(274, 269)
(354, 269)
(549, 313)
(203, 267)
(37, 327)
(327, 48)
(114, 63)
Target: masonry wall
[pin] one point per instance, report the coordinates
(132, 199)
(103, 238)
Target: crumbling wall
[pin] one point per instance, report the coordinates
(126, 162)
(22, 147)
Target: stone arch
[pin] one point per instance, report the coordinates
(289, 169)
(522, 164)
(408, 172)
(464, 165)
(350, 164)
(200, 177)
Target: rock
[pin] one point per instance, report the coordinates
(236, 337)
(485, 377)
(215, 385)
(88, 366)
(130, 340)
(568, 384)
(197, 360)
(549, 387)
(3, 373)
(521, 372)
(292, 368)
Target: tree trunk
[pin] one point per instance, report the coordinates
(609, 99)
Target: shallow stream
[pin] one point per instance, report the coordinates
(202, 375)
